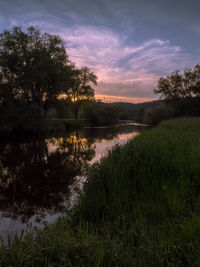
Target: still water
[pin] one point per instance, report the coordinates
(39, 177)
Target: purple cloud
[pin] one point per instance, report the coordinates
(123, 70)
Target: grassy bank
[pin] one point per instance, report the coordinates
(140, 207)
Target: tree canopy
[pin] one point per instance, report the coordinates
(80, 88)
(178, 86)
(34, 67)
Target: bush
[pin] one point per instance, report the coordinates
(63, 109)
(139, 115)
(18, 117)
(189, 106)
(155, 115)
(100, 114)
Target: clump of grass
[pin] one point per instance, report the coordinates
(150, 187)
(140, 207)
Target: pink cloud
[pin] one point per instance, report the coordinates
(122, 69)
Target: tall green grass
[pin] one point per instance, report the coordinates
(140, 207)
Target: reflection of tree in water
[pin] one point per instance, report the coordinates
(35, 176)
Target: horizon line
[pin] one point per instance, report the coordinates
(127, 99)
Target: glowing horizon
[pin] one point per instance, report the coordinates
(134, 100)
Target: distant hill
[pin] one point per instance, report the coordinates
(138, 105)
(129, 110)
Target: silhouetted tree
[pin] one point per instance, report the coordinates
(195, 81)
(34, 67)
(176, 86)
(170, 87)
(80, 90)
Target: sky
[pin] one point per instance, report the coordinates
(129, 44)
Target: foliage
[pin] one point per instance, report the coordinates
(129, 111)
(189, 106)
(19, 117)
(63, 108)
(176, 86)
(153, 116)
(181, 94)
(35, 73)
(139, 115)
(99, 114)
(80, 90)
(34, 67)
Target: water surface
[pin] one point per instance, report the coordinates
(39, 177)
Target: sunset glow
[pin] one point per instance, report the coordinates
(111, 99)
(127, 46)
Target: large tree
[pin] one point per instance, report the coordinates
(34, 67)
(179, 86)
(81, 89)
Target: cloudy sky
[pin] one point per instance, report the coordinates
(129, 44)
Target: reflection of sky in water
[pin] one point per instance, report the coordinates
(104, 145)
(10, 225)
(101, 148)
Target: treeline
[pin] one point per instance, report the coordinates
(180, 95)
(35, 73)
(39, 84)
(90, 113)
(130, 111)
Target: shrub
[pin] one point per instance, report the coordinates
(99, 114)
(155, 115)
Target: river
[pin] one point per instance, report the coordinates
(39, 177)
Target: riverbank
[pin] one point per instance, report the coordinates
(52, 127)
(47, 127)
(41, 127)
(140, 207)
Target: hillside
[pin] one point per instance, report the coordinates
(129, 110)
